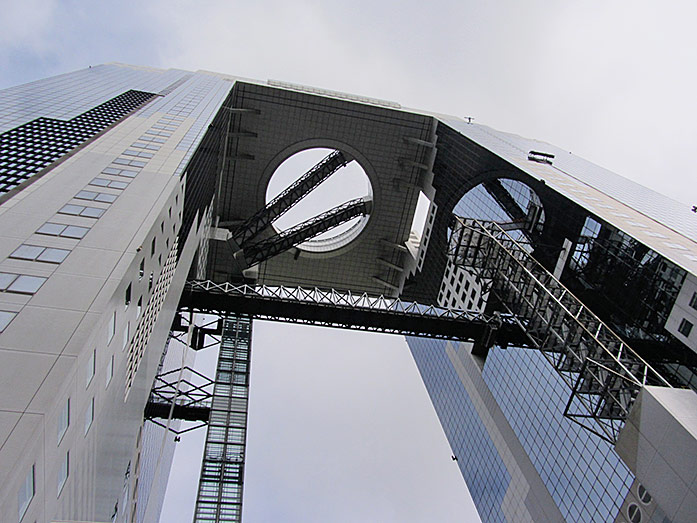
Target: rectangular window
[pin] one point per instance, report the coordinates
(81, 210)
(63, 472)
(109, 370)
(7, 316)
(64, 420)
(132, 163)
(113, 184)
(693, 301)
(133, 152)
(91, 368)
(141, 269)
(127, 297)
(26, 493)
(141, 145)
(153, 246)
(685, 327)
(128, 173)
(38, 253)
(125, 335)
(153, 139)
(96, 196)
(20, 283)
(111, 329)
(139, 309)
(59, 229)
(158, 133)
(89, 416)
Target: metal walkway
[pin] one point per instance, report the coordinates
(346, 310)
(604, 374)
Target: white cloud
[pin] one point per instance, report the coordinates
(25, 23)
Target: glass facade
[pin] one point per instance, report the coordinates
(585, 477)
(480, 463)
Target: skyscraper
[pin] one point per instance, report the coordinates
(512, 266)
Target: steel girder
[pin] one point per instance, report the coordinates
(265, 249)
(332, 308)
(288, 198)
(175, 395)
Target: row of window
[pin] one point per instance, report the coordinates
(26, 284)
(27, 149)
(20, 283)
(30, 284)
(91, 366)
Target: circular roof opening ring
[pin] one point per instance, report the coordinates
(504, 199)
(330, 185)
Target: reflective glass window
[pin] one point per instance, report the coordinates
(26, 284)
(92, 212)
(74, 210)
(6, 279)
(63, 472)
(5, 319)
(89, 415)
(693, 301)
(103, 197)
(64, 420)
(86, 195)
(52, 229)
(52, 255)
(685, 327)
(27, 252)
(26, 493)
(74, 231)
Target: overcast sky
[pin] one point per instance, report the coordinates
(614, 82)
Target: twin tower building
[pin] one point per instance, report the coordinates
(549, 304)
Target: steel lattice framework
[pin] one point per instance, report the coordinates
(289, 197)
(346, 310)
(265, 249)
(604, 374)
(175, 396)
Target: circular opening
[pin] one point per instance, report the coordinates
(503, 200)
(644, 495)
(348, 183)
(506, 201)
(634, 513)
